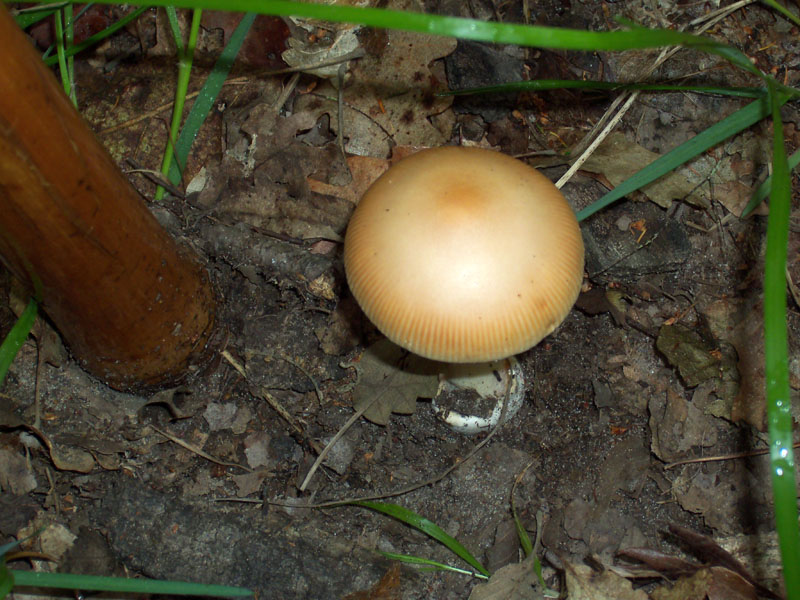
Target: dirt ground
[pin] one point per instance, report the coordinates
(659, 364)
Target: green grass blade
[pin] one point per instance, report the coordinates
(783, 10)
(437, 566)
(175, 28)
(99, 36)
(427, 527)
(26, 17)
(16, 337)
(121, 584)
(186, 57)
(208, 96)
(763, 190)
(538, 85)
(69, 41)
(62, 57)
(731, 125)
(776, 360)
(6, 578)
(473, 29)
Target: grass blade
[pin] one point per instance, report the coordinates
(175, 28)
(99, 36)
(783, 10)
(427, 527)
(437, 566)
(207, 96)
(16, 337)
(186, 57)
(763, 190)
(473, 29)
(25, 17)
(121, 584)
(538, 85)
(776, 360)
(731, 125)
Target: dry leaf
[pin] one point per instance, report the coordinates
(364, 169)
(585, 584)
(517, 581)
(715, 583)
(618, 158)
(392, 379)
(388, 588)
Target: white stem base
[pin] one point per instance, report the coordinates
(489, 382)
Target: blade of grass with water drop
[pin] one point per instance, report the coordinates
(776, 359)
(435, 566)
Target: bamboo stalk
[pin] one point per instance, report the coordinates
(135, 309)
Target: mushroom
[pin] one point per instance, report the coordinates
(468, 256)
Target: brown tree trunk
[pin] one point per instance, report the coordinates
(135, 309)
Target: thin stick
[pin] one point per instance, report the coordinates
(342, 430)
(414, 486)
(200, 452)
(691, 461)
(712, 19)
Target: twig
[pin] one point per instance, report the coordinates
(286, 92)
(414, 486)
(278, 408)
(234, 363)
(200, 452)
(342, 430)
(711, 19)
(720, 457)
(358, 53)
(300, 368)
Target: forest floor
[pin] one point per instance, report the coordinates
(643, 420)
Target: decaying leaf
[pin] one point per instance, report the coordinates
(714, 583)
(392, 379)
(388, 588)
(364, 169)
(696, 358)
(583, 583)
(391, 106)
(666, 564)
(618, 158)
(516, 581)
(304, 53)
(742, 324)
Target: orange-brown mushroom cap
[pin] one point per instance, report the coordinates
(464, 255)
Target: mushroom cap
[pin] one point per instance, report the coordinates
(464, 255)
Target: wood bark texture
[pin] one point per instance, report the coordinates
(135, 309)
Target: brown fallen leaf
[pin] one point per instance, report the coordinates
(713, 583)
(388, 588)
(392, 379)
(666, 564)
(583, 583)
(365, 170)
(517, 581)
(712, 553)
